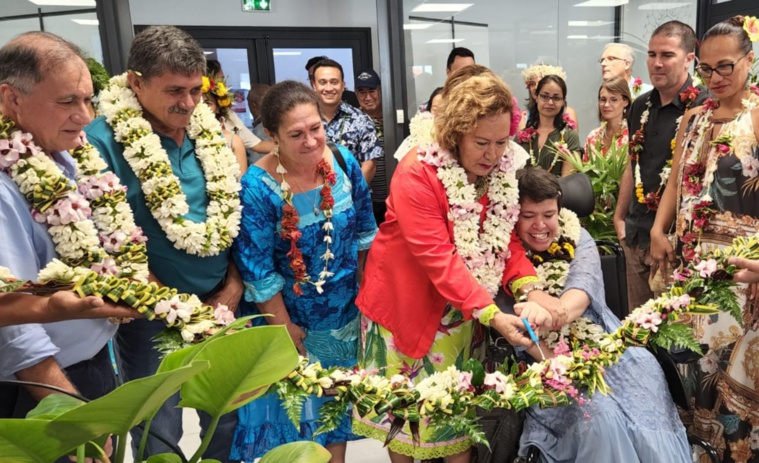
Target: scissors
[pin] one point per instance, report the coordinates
(533, 336)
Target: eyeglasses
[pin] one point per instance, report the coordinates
(610, 58)
(613, 101)
(723, 69)
(545, 98)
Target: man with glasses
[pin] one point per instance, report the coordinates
(617, 60)
(652, 122)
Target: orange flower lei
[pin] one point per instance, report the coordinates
(290, 230)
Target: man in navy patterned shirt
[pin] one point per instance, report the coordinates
(345, 124)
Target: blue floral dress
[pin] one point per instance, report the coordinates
(330, 319)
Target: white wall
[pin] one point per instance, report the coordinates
(286, 13)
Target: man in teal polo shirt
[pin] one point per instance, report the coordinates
(166, 68)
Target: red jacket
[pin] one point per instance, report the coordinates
(413, 269)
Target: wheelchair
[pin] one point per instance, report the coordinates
(578, 197)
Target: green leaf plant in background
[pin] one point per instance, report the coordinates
(605, 173)
(219, 375)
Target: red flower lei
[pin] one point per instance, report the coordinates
(290, 231)
(635, 147)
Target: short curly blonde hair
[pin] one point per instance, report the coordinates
(466, 103)
(538, 71)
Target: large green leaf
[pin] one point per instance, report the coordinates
(54, 406)
(243, 365)
(25, 441)
(165, 458)
(297, 452)
(122, 409)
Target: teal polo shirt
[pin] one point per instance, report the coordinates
(173, 267)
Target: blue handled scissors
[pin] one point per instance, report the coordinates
(533, 336)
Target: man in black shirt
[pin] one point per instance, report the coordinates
(652, 122)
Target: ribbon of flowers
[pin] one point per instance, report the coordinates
(700, 167)
(290, 231)
(445, 398)
(637, 86)
(483, 253)
(163, 193)
(101, 251)
(651, 199)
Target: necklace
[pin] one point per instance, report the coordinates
(484, 254)
(291, 219)
(652, 198)
(163, 193)
(307, 194)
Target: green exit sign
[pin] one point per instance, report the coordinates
(256, 5)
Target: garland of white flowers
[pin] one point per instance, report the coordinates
(163, 193)
(553, 273)
(484, 254)
(78, 220)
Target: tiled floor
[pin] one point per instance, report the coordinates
(363, 451)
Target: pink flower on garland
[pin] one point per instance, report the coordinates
(637, 85)
(706, 268)
(526, 135)
(570, 122)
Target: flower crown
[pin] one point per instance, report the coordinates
(542, 70)
(751, 26)
(218, 89)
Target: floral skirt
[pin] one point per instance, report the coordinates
(726, 411)
(456, 341)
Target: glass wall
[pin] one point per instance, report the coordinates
(77, 23)
(511, 36)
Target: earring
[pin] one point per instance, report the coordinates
(275, 151)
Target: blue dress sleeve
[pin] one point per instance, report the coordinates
(254, 247)
(584, 275)
(366, 225)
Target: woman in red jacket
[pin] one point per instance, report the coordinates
(442, 254)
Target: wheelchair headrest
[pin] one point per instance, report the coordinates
(577, 194)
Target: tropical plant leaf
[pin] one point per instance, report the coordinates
(243, 366)
(332, 414)
(54, 406)
(675, 334)
(166, 458)
(297, 452)
(25, 441)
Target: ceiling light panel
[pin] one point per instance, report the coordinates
(441, 7)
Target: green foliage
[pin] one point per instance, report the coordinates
(297, 452)
(331, 414)
(456, 425)
(99, 75)
(675, 334)
(605, 173)
(292, 399)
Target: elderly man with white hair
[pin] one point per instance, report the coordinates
(617, 60)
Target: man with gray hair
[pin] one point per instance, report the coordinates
(166, 67)
(617, 60)
(45, 92)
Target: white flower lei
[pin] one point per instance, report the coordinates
(643, 121)
(484, 254)
(150, 163)
(78, 219)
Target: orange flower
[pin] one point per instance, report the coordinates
(751, 26)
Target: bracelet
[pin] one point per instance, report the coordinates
(486, 314)
(527, 288)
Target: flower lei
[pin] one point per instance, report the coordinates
(635, 145)
(163, 193)
(530, 133)
(445, 399)
(290, 231)
(698, 172)
(101, 251)
(219, 89)
(484, 254)
(78, 220)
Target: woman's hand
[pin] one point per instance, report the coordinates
(750, 272)
(298, 335)
(536, 314)
(511, 328)
(662, 253)
(553, 305)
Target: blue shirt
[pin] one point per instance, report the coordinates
(354, 130)
(25, 248)
(173, 267)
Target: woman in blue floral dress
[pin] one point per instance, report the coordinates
(307, 224)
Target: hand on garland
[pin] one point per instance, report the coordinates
(559, 316)
(65, 305)
(536, 314)
(750, 272)
(511, 328)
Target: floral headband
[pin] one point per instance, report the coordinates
(542, 70)
(218, 89)
(751, 26)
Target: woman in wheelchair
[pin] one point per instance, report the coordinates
(637, 422)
